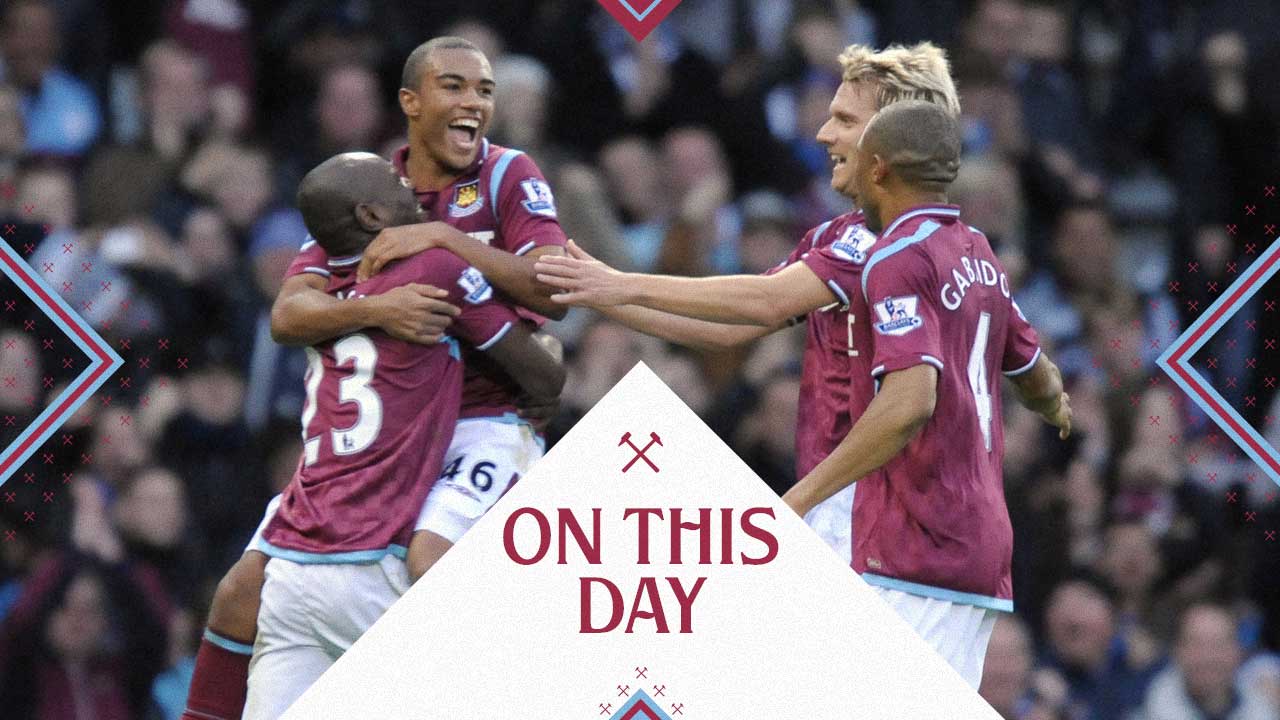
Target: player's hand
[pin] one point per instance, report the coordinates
(414, 313)
(581, 279)
(1061, 417)
(402, 241)
(538, 413)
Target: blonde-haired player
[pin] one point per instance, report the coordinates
(723, 312)
(915, 560)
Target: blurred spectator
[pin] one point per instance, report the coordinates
(1009, 683)
(219, 32)
(634, 174)
(13, 131)
(1105, 677)
(176, 99)
(523, 87)
(61, 114)
(765, 438)
(768, 233)
(348, 115)
(1203, 680)
(85, 638)
(704, 238)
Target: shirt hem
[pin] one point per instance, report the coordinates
(955, 596)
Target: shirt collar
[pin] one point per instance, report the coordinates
(950, 212)
(400, 159)
(343, 262)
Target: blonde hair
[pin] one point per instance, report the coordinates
(918, 72)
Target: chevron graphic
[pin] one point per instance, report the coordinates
(1175, 361)
(103, 362)
(639, 22)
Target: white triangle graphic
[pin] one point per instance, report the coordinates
(482, 637)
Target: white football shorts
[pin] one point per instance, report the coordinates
(832, 520)
(486, 457)
(311, 614)
(958, 632)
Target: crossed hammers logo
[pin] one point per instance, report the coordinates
(640, 452)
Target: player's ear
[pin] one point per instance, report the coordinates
(371, 216)
(409, 102)
(879, 170)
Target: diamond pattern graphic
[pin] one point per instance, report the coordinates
(640, 707)
(103, 362)
(1175, 361)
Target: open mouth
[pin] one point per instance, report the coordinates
(838, 161)
(463, 132)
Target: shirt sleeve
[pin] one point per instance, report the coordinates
(1021, 345)
(904, 313)
(484, 319)
(526, 208)
(838, 261)
(311, 259)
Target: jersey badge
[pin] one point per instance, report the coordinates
(538, 198)
(898, 315)
(854, 244)
(476, 286)
(466, 200)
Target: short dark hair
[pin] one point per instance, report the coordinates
(416, 64)
(920, 140)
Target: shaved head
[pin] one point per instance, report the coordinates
(919, 141)
(346, 200)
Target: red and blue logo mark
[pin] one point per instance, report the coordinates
(639, 17)
(640, 707)
(640, 704)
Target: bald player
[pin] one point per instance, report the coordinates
(931, 529)
(380, 414)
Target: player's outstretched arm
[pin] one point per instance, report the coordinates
(535, 366)
(512, 274)
(304, 314)
(689, 332)
(763, 300)
(901, 408)
(1040, 390)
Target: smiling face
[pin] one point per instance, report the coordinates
(851, 109)
(450, 110)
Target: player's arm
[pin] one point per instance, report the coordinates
(1040, 390)
(678, 329)
(902, 407)
(689, 332)
(534, 365)
(513, 274)
(762, 300)
(304, 314)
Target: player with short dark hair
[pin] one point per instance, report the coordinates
(379, 417)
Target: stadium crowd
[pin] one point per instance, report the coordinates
(1108, 144)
